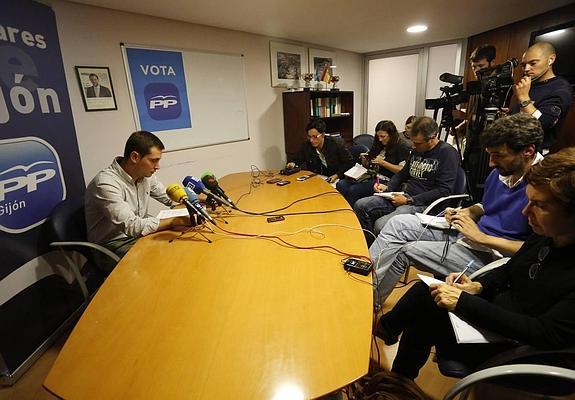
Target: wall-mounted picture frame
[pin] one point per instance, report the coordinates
(320, 61)
(96, 87)
(287, 64)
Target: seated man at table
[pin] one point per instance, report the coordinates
(117, 198)
(480, 233)
(429, 174)
(322, 154)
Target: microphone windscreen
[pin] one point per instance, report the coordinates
(176, 192)
(194, 183)
(208, 173)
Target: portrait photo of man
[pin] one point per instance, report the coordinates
(97, 90)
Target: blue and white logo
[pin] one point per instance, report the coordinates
(31, 183)
(163, 101)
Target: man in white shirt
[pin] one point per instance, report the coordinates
(118, 197)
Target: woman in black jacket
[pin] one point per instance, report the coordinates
(386, 157)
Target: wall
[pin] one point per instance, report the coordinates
(91, 36)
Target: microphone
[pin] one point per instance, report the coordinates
(211, 183)
(196, 204)
(198, 187)
(178, 194)
(450, 78)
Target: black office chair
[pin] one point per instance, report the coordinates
(356, 150)
(67, 225)
(365, 139)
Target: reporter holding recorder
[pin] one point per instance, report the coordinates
(529, 300)
(118, 197)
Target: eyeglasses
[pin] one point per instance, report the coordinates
(535, 267)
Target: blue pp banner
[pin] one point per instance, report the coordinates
(159, 89)
(39, 167)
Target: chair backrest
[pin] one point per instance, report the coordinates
(533, 378)
(68, 221)
(460, 182)
(356, 150)
(365, 139)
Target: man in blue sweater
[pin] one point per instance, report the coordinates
(429, 174)
(480, 233)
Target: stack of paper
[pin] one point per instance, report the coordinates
(356, 171)
(388, 195)
(433, 221)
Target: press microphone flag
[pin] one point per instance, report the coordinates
(177, 193)
(198, 187)
(193, 198)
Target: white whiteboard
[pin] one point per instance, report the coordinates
(217, 99)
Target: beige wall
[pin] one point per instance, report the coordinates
(91, 36)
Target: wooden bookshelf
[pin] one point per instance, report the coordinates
(334, 107)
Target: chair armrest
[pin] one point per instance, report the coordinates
(519, 353)
(489, 267)
(89, 245)
(507, 370)
(442, 199)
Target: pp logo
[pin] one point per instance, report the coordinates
(31, 183)
(163, 101)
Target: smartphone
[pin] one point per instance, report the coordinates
(283, 183)
(302, 178)
(276, 219)
(358, 266)
(273, 180)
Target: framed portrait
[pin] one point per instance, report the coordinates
(320, 61)
(96, 87)
(287, 64)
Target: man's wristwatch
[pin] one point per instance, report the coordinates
(525, 103)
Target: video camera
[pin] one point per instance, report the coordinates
(451, 96)
(493, 84)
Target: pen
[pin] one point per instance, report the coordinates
(469, 264)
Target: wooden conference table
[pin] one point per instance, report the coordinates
(238, 318)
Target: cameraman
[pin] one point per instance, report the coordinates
(540, 93)
(475, 162)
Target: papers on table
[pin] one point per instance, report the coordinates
(356, 171)
(464, 332)
(433, 221)
(175, 212)
(388, 195)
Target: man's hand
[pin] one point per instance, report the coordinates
(522, 88)
(379, 188)
(445, 296)
(331, 179)
(467, 227)
(398, 200)
(290, 165)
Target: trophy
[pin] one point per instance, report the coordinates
(308, 77)
(334, 80)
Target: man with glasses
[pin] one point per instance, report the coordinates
(322, 154)
(480, 233)
(429, 174)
